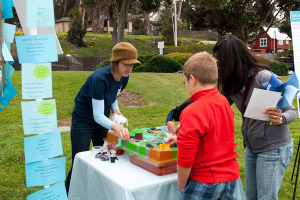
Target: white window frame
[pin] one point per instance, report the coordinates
(280, 42)
(263, 42)
(287, 42)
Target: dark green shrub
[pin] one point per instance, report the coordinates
(159, 63)
(180, 57)
(283, 53)
(263, 60)
(76, 33)
(167, 28)
(190, 48)
(137, 26)
(279, 68)
(103, 64)
(144, 59)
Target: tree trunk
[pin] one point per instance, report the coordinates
(147, 24)
(82, 10)
(188, 25)
(115, 33)
(82, 20)
(120, 34)
(117, 14)
(112, 12)
(65, 14)
(179, 11)
(97, 16)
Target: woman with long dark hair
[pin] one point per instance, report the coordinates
(269, 146)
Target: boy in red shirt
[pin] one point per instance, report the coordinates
(206, 161)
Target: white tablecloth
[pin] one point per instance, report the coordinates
(94, 179)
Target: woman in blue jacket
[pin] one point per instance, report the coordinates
(97, 97)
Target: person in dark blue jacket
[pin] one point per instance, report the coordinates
(97, 97)
(174, 115)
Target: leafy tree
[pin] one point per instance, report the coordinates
(97, 15)
(148, 7)
(167, 26)
(137, 26)
(193, 15)
(76, 32)
(117, 12)
(285, 25)
(62, 7)
(243, 18)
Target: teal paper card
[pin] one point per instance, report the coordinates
(39, 116)
(36, 81)
(41, 147)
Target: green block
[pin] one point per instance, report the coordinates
(142, 152)
(138, 130)
(175, 153)
(122, 144)
(131, 148)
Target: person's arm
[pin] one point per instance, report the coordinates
(170, 116)
(188, 143)
(174, 114)
(177, 111)
(100, 118)
(115, 107)
(289, 114)
(98, 113)
(172, 128)
(183, 176)
(285, 116)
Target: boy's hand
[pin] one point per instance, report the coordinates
(172, 140)
(172, 128)
(176, 130)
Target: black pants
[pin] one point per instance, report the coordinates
(81, 137)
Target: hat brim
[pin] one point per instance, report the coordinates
(130, 62)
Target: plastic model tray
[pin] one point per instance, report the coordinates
(168, 168)
(150, 151)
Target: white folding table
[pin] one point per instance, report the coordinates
(95, 179)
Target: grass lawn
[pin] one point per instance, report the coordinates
(100, 44)
(161, 91)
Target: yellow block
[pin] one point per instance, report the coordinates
(164, 146)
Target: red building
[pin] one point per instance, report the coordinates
(272, 40)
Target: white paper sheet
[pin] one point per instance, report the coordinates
(260, 100)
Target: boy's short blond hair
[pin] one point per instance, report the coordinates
(203, 66)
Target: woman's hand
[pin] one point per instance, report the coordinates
(117, 111)
(275, 115)
(122, 132)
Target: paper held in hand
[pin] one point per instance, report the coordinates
(259, 101)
